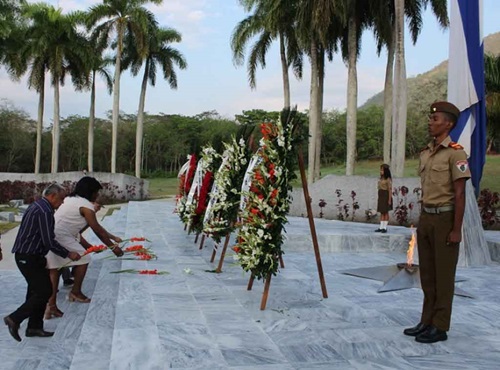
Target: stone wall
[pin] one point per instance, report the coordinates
(366, 196)
(118, 185)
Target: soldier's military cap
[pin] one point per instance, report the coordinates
(444, 106)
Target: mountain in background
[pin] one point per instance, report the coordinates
(427, 87)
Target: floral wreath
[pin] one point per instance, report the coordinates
(222, 210)
(198, 197)
(186, 175)
(267, 202)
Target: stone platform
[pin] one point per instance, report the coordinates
(340, 236)
(202, 320)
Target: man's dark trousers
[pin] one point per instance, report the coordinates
(34, 270)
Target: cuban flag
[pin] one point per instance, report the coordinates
(466, 82)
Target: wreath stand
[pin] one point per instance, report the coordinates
(202, 242)
(223, 254)
(307, 198)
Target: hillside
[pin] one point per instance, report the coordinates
(424, 88)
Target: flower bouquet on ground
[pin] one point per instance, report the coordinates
(141, 272)
(143, 254)
(135, 239)
(266, 204)
(91, 250)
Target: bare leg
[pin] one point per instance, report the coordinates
(51, 309)
(54, 279)
(79, 271)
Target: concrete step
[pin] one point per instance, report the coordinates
(94, 343)
(344, 236)
(83, 324)
(135, 330)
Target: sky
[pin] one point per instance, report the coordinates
(213, 82)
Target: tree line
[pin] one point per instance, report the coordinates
(36, 39)
(168, 139)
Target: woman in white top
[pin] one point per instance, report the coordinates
(71, 219)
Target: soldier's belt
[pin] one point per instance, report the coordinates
(438, 210)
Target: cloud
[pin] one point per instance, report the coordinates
(71, 5)
(269, 92)
(188, 17)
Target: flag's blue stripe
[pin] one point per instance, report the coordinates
(477, 156)
(469, 12)
(459, 126)
(470, 19)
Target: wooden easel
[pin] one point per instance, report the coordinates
(214, 252)
(202, 241)
(307, 198)
(223, 254)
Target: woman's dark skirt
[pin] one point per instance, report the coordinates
(383, 201)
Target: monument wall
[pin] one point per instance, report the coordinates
(336, 191)
(116, 185)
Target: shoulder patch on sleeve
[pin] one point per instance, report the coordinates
(455, 146)
(462, 165)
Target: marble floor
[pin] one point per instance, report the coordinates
(193, 318)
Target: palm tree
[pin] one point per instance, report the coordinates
(399, 101)
(14, 33)
(121, 17)
(95, 64)
(492, 82)
(358, 18)
(383, 21)
(9, 22)
(319, 27)
(159, 52)
(98, 66)
(51, 44)
(269, 21)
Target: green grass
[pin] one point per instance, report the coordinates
(162, 187)
(10, 209)
(4, 227)
(491, 173)
(167, 187)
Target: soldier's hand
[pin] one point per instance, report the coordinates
(454, 238)
(74, 256)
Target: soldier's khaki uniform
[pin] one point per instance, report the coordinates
(439, 167)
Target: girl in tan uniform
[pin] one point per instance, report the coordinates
(384, 204)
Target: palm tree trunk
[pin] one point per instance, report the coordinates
(319, 131)
(313, 112)
(388, 100)
(55, 130)
(140, 123)
(489, 146)
(90, 156)
(39, 126)
(399, 95)
(116, 98)
(352, 97)
(284, 68)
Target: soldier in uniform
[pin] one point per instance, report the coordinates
(443, 171)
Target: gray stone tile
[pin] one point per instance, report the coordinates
(314, 352)
(203, 320)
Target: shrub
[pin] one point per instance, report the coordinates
(488, 203)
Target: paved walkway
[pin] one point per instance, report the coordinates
(202, 320)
